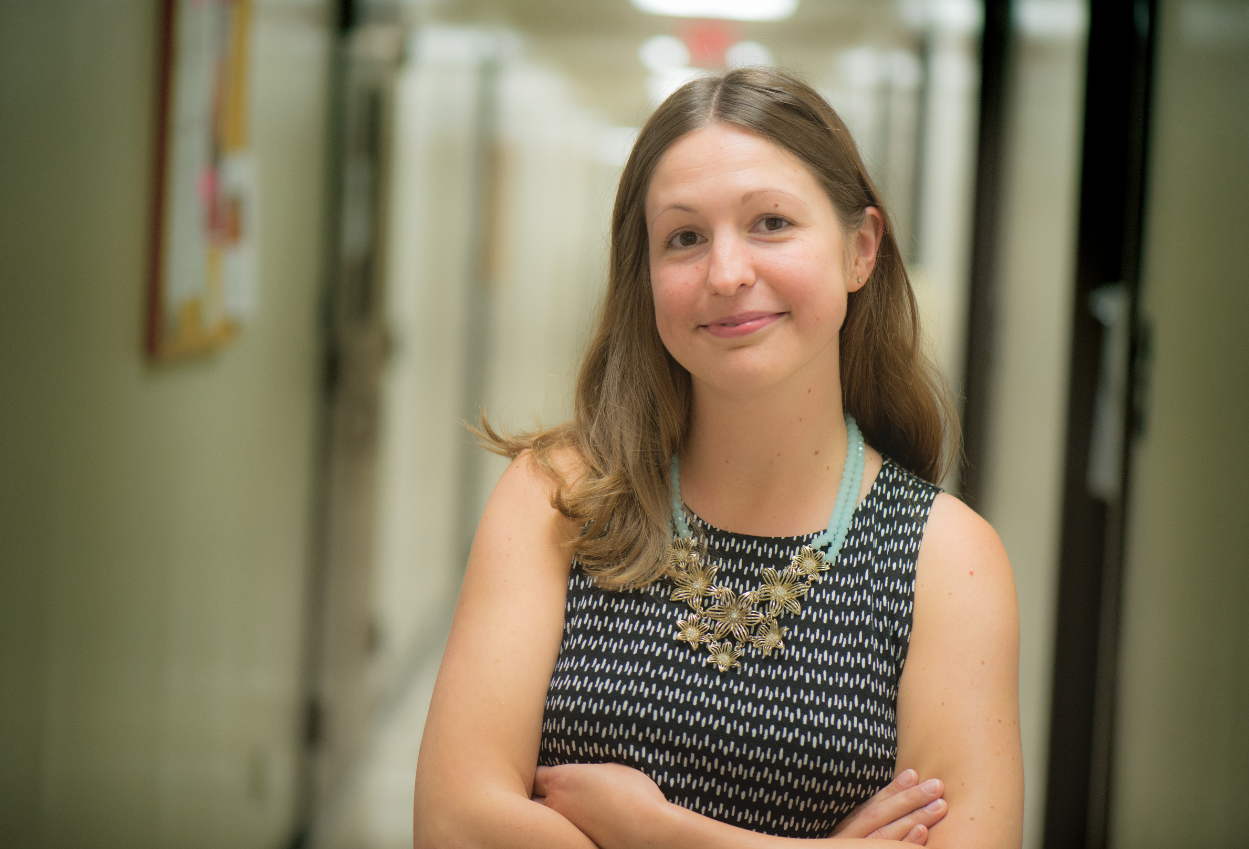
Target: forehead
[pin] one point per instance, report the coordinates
(728, 158)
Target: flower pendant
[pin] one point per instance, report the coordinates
(731, 622)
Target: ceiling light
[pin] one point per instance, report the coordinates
(733, 10)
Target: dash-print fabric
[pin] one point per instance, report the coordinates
(788, 744)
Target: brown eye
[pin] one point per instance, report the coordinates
(687, 239)
(773, 222)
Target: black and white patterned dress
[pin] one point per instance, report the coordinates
(785, 745)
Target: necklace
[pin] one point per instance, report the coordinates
(732, 622)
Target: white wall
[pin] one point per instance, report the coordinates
(558, 167)
(541, 228)
(1182, 733)
(430, 238)
(154, 522)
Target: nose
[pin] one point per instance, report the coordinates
(730, 266)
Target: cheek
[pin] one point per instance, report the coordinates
(675, 309)
(667, 312)
(673, 296)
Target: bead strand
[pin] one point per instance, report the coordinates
(856, 483)
(681, 527)
(847, 493)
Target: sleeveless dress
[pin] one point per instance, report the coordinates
(786, 744)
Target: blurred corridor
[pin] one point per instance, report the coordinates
(227, 569)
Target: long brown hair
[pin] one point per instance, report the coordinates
(632, 403)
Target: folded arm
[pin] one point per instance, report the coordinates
(619, 807)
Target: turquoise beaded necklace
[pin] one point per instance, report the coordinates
(731, 622)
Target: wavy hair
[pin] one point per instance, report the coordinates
(632, 402)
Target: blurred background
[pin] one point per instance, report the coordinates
(227, 569)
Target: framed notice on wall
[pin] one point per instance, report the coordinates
(203, 276)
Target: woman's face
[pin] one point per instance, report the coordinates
(749, 267)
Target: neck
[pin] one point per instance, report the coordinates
(767, 463)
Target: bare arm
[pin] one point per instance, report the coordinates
(621, 808)
(958, 700)
(475, 771)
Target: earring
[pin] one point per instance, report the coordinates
(860, 279)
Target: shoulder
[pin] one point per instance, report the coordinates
(534, 479)
(957, 537)
(961, 562)
(963, 582)
(522, 511)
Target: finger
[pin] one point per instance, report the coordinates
(909, 801)
(917, 836)
(886, 815)
(904, 780)
(853, 821)
(902, 828)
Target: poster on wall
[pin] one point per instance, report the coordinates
(203, 275)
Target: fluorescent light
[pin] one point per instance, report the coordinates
(733, 10)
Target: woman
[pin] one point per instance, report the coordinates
(658, 641)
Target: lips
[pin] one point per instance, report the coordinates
(742, 324)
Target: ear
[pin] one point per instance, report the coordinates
(865, 242)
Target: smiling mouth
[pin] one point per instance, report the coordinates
(741, 325)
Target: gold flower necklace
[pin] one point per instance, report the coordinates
(732, 622)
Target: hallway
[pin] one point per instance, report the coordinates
(248, 306)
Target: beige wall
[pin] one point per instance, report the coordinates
(1182, 732)
(154, 523)
(1027, 399)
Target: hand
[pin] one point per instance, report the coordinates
(904, 810)
(612, 804)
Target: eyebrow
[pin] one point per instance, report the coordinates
(680, 207)
(754, 193)
(750, 195)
